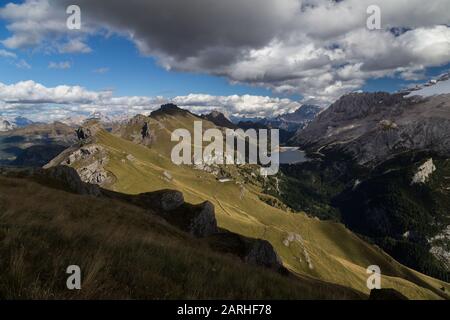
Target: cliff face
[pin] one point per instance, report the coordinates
(372, 127)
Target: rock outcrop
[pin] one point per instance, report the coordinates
(69, 177)
(372, 127)
(137, 130)
(63, 177)
(423, 172)
(219, 120)
(262, 253)
(253, 251)
(203, 222)
(198, 220)
(165, 200)
(81, 134)
(5, 125)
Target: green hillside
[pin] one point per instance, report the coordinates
(124, 252)
(308, 247)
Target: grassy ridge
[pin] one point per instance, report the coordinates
(335, 254)
(124, 253)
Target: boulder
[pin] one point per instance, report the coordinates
(203, 223)
(70, 179)
(145, 131)
(81, 134)
(161, 201)
(261, 252)
(252, 251)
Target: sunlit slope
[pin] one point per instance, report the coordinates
(324, 250)
(124, 252)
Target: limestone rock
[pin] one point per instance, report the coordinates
(261, 252)
(70, 178)
(423, 173)
(204, 223)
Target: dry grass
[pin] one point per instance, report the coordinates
(124, 253)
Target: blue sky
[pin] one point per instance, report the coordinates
(128, 71)
(214, 58)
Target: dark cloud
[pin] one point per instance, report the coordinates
(213, 33)
(319, 49)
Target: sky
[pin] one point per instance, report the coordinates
(242, 57)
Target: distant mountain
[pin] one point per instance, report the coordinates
(380, 164)
(439, 85)
(7, 124)
(74, 120)
(289, 122)
(297, 119)
(22, 122)
(371, 127)
(219, 119)
(106, 119)
(122, 161)
(35, 144)
(100, 116)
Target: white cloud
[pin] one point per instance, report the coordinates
(74, 46)
(60, 65)
(7, 54)
(244, 106)
(320, 49)
(22, 64)
(14, 59)
(42, 103)
(42, 24)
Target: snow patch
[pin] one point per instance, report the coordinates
(437, 88)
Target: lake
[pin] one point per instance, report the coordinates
(292, 155)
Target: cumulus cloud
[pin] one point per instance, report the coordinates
(7, 54)
(242, 106)
(41, 103)
(320, 49)
(60, 65)
(42, 24)
(14, 59)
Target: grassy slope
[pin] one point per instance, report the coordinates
(337, 255)
(124, 253)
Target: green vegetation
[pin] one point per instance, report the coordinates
(327, 250)
(401, 217)
(380, 204)
(124, 253)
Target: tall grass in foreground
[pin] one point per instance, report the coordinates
(124, 253)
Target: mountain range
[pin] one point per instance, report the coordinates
(133, 161)
(380, 164)
(7, 124)
(374, 191)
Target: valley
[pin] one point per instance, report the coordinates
(324, 250)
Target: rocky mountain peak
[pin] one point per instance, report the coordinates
(361, 105)
(219, 119)
(168, 109)
(306, 112)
